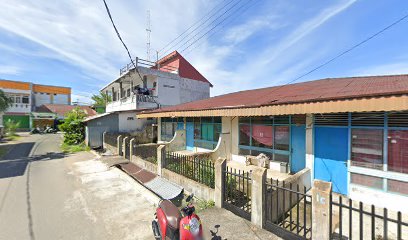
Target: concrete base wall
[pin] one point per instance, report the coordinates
(178, 143)
(144, 164)
(201, 191)
(396, 202)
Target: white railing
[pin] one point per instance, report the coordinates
(133, 102)
(138, 62)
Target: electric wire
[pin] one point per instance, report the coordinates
(201, 19)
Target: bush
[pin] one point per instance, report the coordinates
(11, 127)
(73, 127)
(66, 148)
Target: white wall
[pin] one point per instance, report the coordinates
(128, 122)
(41, 98)
(168, 91)
(19, 107)
(191, 90)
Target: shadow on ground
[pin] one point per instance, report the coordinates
(15, 162)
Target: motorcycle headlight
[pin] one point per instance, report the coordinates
(194, 226)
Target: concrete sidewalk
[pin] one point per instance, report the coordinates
(230, 226)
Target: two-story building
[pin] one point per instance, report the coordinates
(143, 85)
(27, 97)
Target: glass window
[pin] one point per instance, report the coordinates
(244, 120)
(282, 138)
(12, 99)
(244, 133)
(262, 120)
(262, 136)
(365, 180)
(26, 99)
(398, 151)
(397, 186)
(217, 132)
(18, 99)
(367, 148)
(197, 128)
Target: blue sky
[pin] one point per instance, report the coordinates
(72, 43)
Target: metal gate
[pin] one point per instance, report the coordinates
(288, 210)
(237, 192)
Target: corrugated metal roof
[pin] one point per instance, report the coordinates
(312, 91)
(164, 188)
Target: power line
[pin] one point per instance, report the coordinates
(185, 31)
(120, 38)
(213, 21)
(117, 33)
(225, 12)
(345, 52)
(236, 10)
(226, 23)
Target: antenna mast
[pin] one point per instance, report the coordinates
(148, 31)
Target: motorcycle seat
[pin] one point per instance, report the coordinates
(172, 213)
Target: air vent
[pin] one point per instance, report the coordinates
(398, 119)
(370, 119)
(331, 119)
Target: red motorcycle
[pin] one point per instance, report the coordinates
(171, 224)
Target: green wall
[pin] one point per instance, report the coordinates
(24, 120)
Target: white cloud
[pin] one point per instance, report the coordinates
(382, 69)
(10, 70)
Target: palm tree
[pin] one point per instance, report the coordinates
(101, 99)
(5, 101)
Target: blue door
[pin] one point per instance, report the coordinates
(298, 151)
(180, 125)
(331, 153)
(190, 136)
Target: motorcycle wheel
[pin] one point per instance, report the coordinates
(156, 230)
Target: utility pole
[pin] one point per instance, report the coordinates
(148, 31)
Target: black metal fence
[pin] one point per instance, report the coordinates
(198, 168)
(111, 139)
(351, 219)
(288, 210)
(147, 152)
(237, 192)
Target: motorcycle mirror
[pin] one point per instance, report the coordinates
(190, 197)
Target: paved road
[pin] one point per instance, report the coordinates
(45, 194)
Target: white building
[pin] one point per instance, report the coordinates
(170, 81)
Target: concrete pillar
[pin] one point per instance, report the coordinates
(226, 136)
(103, 140)
(131, 153)
(161, 151)
(309, 144)
(119, 145)
(321, 209)
(258, 197)
(220, 167)
(124, 146)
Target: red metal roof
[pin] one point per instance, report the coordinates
(62, 109)
(312, 91)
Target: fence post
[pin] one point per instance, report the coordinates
(119, 145)
(103, 140)
(321, 192)
(258, 197)
(131, 148)
(124, 146)
(220, 166)
(160, 158)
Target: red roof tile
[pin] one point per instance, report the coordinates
(62, 109)
(318, 90)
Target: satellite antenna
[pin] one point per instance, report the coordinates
(148, 31)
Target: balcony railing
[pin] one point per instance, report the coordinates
(132, 102)
(148, 64)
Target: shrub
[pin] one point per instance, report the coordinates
(73, 127)
(11, 127)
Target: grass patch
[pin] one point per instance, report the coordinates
(4, 150)
(199, 204)
(66, 148)
(12, 137)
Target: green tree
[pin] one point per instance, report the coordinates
(5, 101)
(101, 99)
(73, 127)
